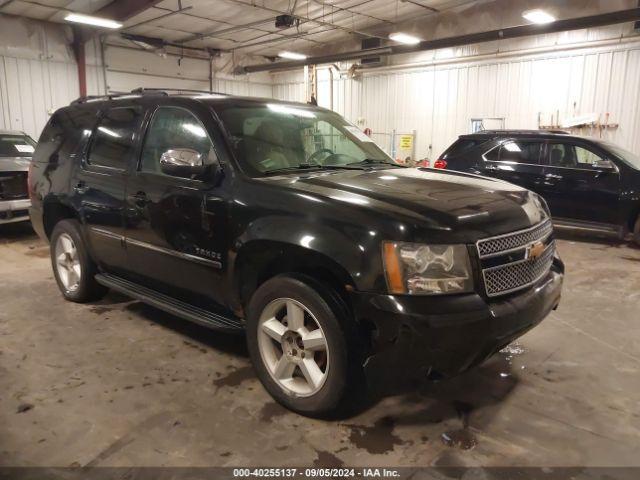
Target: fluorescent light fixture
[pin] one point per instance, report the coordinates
(95, 21)
(404, 38)
(292, 55)
(538, 16)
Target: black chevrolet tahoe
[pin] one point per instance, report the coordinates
(286, 221)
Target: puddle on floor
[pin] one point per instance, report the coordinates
(508, 353)
(462, 438)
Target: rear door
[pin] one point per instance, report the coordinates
(518, 161)
(175, 226)
(98, 187)
(575, 187)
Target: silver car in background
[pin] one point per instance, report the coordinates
(16, 149)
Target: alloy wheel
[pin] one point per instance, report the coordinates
(68, 263)
(293, 347)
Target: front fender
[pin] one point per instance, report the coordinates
(353, 253)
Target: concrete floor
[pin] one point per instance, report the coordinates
(122, 384)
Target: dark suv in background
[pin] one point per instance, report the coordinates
(286, 221)
(589, 184)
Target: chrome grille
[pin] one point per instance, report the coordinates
(513, 275)
(512, 241)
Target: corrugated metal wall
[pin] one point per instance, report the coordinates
(440, 100)
(129, 69)
(37, 74)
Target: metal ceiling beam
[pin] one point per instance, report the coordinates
(302, 17)
(600, 20)
(123, 10)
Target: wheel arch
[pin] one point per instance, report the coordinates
(53, 211)
(260, 260)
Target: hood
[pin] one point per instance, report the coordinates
(14, 164)
(437, 199)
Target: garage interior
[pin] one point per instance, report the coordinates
(119, 383)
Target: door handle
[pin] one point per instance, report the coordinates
(491, 168)
(553, 176)
(140, 198)
(81, 188)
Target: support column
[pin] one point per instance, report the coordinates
(81, 60)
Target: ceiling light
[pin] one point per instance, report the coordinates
(538, 16)
(404, 38)
(292, 55)
(95, 21)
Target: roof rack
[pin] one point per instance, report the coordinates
(143, 90)
(140, 91)
(523, 132)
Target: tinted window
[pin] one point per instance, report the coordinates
(460, 146)
(521, 152)
(113, 143)
(571, 156)
(278, 136)
(16, 146)
(170, 129)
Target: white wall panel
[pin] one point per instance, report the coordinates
(438, 100)
(30, 90)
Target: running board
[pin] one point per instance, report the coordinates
(170, 305)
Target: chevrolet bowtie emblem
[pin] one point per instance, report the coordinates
(534, 251)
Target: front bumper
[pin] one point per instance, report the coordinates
(416, 335)
(14, 210)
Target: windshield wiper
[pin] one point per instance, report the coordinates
(373, 161)
(309, 166)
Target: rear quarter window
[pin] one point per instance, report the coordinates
(460, 146)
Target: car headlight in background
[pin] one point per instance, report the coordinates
(418, 269)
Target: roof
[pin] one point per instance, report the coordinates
(198, 95)
(516, 133)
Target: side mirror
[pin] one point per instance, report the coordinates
(607, 165)
(182, 162)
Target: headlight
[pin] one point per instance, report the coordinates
(419, 269)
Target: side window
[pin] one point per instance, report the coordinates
(174, 128)
(113, 143)
(461, 145)
(571, 156)
(521, 152)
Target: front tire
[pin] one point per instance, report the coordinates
(298, 338)
(72, 267)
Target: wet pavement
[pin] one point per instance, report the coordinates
(118, 383)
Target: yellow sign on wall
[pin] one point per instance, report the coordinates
(406, 142)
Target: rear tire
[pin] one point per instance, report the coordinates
(72, 266)
(299, 336)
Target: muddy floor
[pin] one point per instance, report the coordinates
(118, 383)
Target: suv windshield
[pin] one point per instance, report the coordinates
(631, 158)
(16, 146)
(283, 138)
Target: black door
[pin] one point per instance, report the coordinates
(576, 187)
(516, 161)
(98, 187)
(175, 225)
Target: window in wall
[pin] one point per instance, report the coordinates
(113, 142)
